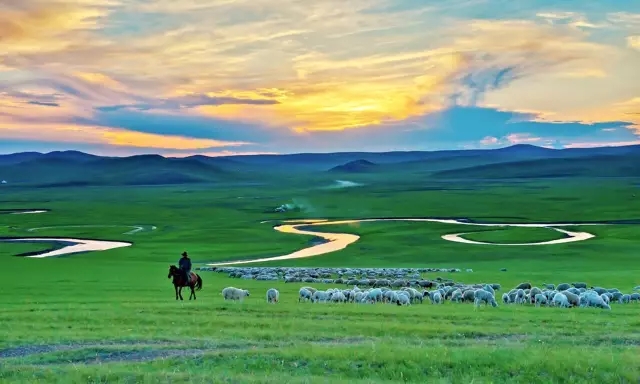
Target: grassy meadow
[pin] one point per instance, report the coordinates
(111, 316)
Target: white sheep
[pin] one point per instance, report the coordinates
(403, 300)
(520, 296)
(559, 299)
(374, 295)
(321, 297)
(435, 297)
(390, 297)
(338, 297)
(484, 296)
(232, 293)
(505, 298)
(624, 299)
(540, 299)
(310, 289)
(456, 296)
(605, 298)
(489, 289)
(593, 300)
(304, 294)
(273, 295)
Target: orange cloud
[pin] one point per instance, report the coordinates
(37, 26)
(56, 132)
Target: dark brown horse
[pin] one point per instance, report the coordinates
(195, 282)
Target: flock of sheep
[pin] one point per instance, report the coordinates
(349, 276)
(564, 295)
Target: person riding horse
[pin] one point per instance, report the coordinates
(185, 267)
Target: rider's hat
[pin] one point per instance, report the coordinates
(184, 253)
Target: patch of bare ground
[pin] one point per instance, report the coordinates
(29, 350)
(113, 349)
(138, 351)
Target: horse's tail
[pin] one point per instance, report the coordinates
(198, 282)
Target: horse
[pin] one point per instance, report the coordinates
(178, 282)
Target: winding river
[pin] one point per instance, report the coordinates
(70, 246)
(337, 241)
(332, 241)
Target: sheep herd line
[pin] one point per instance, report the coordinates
(373, 277)
(564, 295)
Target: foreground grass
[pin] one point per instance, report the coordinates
(111, 316)
(210, 339)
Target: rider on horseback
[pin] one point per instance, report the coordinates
(185, 267)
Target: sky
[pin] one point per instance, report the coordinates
(225, 77)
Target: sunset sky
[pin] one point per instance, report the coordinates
(180, 77)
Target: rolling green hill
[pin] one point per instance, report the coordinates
(135, 170)
(73, 168)
(591, 166)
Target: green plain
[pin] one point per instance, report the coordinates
(111, 316)
(523, 235)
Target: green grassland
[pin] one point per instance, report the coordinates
(507, 234)
(111, 316)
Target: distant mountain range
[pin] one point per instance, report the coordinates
(73, 168)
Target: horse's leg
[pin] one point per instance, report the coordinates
(180, 293)
(193, 293)
(176, 288)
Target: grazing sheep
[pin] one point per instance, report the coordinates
(321, 297)
(549, 286)
(533, 293)
(593, 300)
(374, 295)
(634, 297)
(573, 299)
(496, 287)
(310, 289)
(232, 293)
(624, 299)
(579, 285)
(304, 294)
(616, 296)
(338, 297)
(273, 295)
(523, 286)
(489, 289)
(563, 287)
(414, 295)
(605, 298)
(468, 295)
(456, 296)
(403, 300)
(540, 299)
(560, 300)
(390, 297)
(469, 270)
(519, 296)
(505, 298)
(482, 296)
(600, 290)
(435, 297)
(636, 288)
(573, 290)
